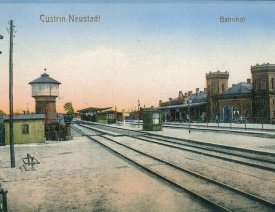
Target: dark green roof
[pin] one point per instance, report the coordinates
(44, 79)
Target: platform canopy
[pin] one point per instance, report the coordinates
(93, 109)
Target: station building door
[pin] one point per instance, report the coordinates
(231, 113)
(227, 114)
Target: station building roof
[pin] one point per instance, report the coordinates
(239, 89)
(195, 104)
(45, 78)
(197, 99)
(200, 97)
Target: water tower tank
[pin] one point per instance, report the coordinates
(45, 90)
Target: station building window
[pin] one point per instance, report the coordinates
(258, 84)
(25, 129)
(263, 84)
(156, 118)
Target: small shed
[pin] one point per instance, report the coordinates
(152, 120)
(27, 128)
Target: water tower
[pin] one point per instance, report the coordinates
(45, 90)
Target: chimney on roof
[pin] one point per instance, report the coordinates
(170, 99)
(160, 102)
(248, 80)
(197, 90)
(180, 95)
(185, 94)
(190, 93)
(205, 89)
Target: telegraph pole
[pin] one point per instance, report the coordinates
(138, 112)
(11, 95)
(1, 37)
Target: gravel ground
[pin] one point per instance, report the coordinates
(79, 175)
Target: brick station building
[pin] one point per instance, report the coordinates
(252, 100)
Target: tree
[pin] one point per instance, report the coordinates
(68, 107)
(2, 112)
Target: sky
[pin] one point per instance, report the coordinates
(138, 51)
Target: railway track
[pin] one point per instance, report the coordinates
(218, 196)
(222, 154)
(256, 159)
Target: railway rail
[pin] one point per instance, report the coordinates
(222, 197)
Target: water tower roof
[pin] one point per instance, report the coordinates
(45, 78)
